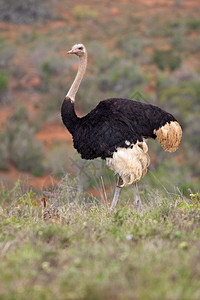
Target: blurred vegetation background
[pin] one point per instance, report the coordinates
(147, 50)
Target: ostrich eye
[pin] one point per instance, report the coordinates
(80, 48)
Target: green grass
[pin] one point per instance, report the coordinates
(98, 254)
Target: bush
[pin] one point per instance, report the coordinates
(193, 24)
(193, 46)
(51, 67)
(100, 54)
(178, 38)
(133, 47)
(3, 87)
(3, 82)
(84, 12)
(3, 154)
(122, 76)
(51, 72)
(166, 59)
(56, 161)
(26, 152)
(25, 11)
(179, 99)
(18, 144)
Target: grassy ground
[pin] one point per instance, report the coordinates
(96, 254)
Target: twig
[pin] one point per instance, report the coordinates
(104, 191)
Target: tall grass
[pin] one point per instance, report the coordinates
(95, 253)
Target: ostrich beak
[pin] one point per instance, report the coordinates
(72, 51)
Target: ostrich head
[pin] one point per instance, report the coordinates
(78, 49)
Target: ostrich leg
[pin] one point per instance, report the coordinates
(117, 192)
(138, 203)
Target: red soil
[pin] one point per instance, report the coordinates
(50, 133)
(11, 176)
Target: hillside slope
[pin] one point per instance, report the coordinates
(148, 48)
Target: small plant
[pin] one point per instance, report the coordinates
(166, 59)
(49, 71)
(179, 98)
(8, 196)
(193, 24)
(84, 12)
(3, 154)
(195, 199)
(133, 47)
(20, 146)
(56, 160)
(25, 151)
(3, 82)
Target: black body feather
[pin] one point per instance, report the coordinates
(110, 124)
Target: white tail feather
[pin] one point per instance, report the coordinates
(169, 136)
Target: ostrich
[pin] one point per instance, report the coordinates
(116, 130)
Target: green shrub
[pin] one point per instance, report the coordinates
(3, 154)
(178, 38)
(84, 12)
(49, 71)
(18, 144)
(166, 59)
(123, 75)
(3, 82)
(133, 46)
(4, 91)
(158, 28)
(26, 152)
(20, 115)
(193, 24)
(193, 46)
(99, 52)
(56, 160)
(180, 100)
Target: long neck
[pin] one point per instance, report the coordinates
(81, 70)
